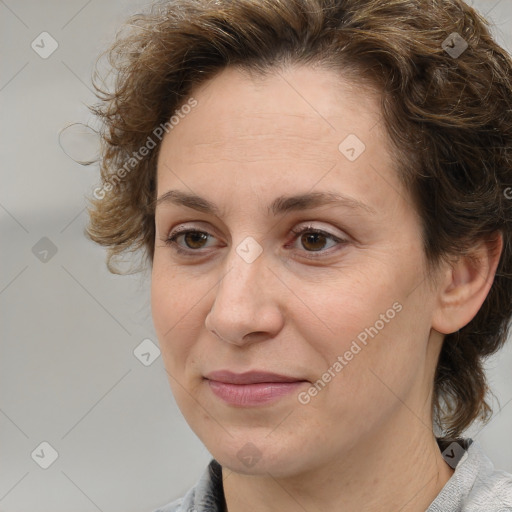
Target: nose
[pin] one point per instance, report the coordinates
(247, 307)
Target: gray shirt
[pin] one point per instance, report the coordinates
(475, 486)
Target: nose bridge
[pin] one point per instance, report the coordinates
(241, 281)
(243, 304)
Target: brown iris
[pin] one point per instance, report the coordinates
(317, 240)
(193, 239)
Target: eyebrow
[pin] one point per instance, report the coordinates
(280, 205)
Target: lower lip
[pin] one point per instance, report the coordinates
(246, 395)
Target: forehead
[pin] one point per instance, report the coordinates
(286, 127)
(297, 103)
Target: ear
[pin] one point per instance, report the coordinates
(464, 285)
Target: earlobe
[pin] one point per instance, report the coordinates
(465, 285)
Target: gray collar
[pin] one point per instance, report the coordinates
(473, 485)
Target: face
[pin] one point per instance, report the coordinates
(327, 290)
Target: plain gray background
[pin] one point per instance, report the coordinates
(69, 329)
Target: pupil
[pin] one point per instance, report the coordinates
(195, 237)
(315, 241)
(313, 238)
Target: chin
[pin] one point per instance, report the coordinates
(261, 458)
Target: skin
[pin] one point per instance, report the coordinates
(365, 441)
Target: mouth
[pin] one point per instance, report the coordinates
(251, 388)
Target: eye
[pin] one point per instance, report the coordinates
(193, 239)
(314, 239)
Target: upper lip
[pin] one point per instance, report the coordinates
(251, 377)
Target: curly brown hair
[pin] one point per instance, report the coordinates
(448, 116)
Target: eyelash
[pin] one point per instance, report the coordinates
(171, 240)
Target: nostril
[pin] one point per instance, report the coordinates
(255, 334)
(220, 337)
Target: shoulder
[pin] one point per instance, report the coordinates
(174, 506)
(207, 495)
(492, 492)
(475, 486)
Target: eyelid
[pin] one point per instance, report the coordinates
(312, 255)
(296, 230)
(341, 240)
(308, 225)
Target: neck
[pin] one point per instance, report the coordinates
(403, 470)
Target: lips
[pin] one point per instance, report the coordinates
(251, 389)
(252, 377)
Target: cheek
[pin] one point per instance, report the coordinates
(163, 301)
(343, 308)
(173, 294)
(377, 377)
(375, 337)
(172, 304)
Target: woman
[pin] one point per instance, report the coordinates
(320, 187)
